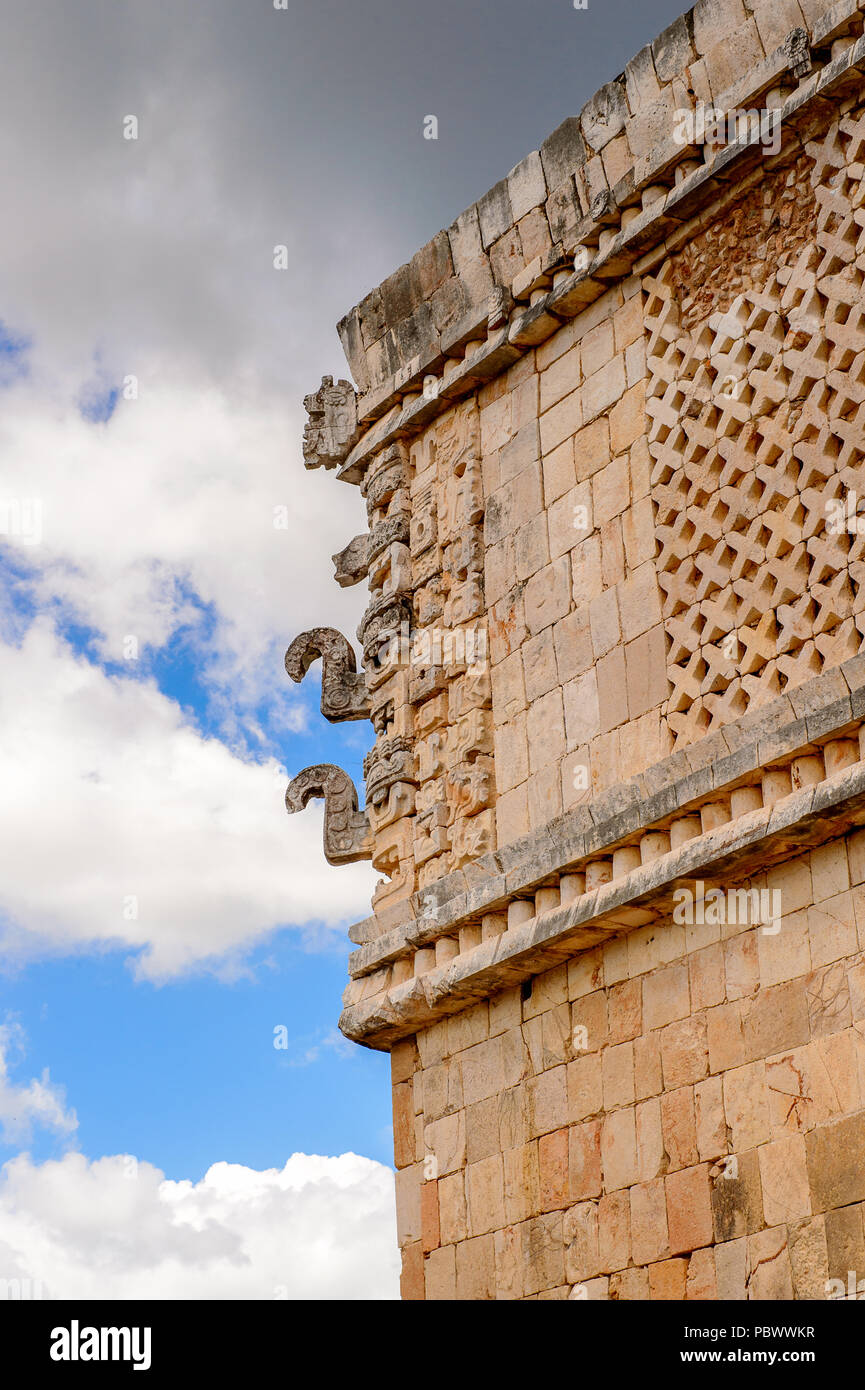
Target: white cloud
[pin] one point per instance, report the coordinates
(38, 1105)
(176, 496)
(319, 1228)
(123, 826)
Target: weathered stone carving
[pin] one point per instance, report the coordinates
(347, 835)
(603, 208)
(331, 431)
(393, 857)
(393, 530)
(499, 305)
(471, 786)
(386, 479)
(343, 688)
(390, 761)
(798, 51)
(397, 803)
(386, 619)
(351, 564)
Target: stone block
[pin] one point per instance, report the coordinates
(603, 389)
(547, 1101)
(476, 1269)
(522, 1191)
(771, 1276)
(713, 20)
(527, 187)
(411, 1281)
(784, 1179)
(666, 996)
(580, 1235)
(603, 116)
(495, 214)
(585, 1169)
(746, 1104)
(809, 1260)
(563, 152)
(649, 1239)
(440, 1275)
(548, 595)
(614, 1233)
(647, 1065)
(668, 1280)
(775, 1019)
(684, 1052)
(484, 1195)
(673, 49)
(836, 1173)
(591, 448)
(553, 1170)
(678, 1126)
(689, 1208)
(561, 421)
(619, 1149)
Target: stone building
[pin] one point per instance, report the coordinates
(610, 431)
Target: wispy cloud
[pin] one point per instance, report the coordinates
(36, 1104)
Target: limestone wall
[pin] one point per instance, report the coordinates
(676, 1114)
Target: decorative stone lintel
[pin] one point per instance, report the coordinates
(343, 688)
(347, 835)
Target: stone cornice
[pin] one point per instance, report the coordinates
(802, 725)
(757, 840)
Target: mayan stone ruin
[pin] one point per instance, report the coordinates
(609, 427)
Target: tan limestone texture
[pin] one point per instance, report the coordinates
(678, 1114)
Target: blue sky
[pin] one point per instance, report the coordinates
(181, 1071)
(181, 1074)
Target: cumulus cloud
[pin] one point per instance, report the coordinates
(40, 1104)
(124, 826)
(319, 1228)
(185, 499)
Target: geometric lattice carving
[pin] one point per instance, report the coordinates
(756, 402)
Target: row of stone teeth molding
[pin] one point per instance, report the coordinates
(830, 759)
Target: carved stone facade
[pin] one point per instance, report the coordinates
(610, 433)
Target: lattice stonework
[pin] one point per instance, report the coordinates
(756, 404)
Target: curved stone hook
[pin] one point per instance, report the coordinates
(347, 834)
(343, 688)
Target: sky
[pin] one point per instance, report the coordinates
(179, 1115)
